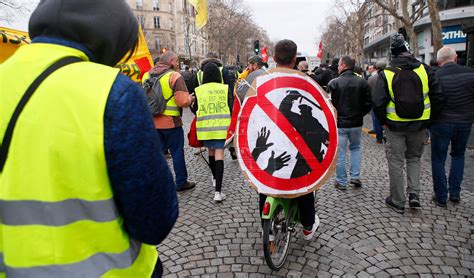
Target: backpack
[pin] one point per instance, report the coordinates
(408, 93)
(154, 94)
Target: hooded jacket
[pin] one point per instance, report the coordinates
(381, 96)
(105, 30)
(225, 76)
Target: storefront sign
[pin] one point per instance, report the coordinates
(453, 34)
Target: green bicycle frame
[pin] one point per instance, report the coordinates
(285, 203)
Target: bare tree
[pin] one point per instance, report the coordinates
(436, 29)
(11, 8)
(405, 18)
(232, 31)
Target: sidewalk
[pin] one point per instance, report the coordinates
(358, 237)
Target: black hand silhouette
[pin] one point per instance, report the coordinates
(261, 145)
(276, 163)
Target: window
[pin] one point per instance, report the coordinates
(156, 22)
(156, 5)
(451, 4)
(141, 21)
(157, 43)
(139, 4)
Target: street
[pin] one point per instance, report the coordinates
(358, 236)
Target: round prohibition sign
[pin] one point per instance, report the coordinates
(318, 169)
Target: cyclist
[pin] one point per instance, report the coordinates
(285, 57)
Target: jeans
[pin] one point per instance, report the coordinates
(352, 135)
(442, 134)
(377, 127)
(173, 140)
(404, 147)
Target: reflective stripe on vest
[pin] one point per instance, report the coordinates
(172, 108)
(200, 75)
(94, 266)
(213, 114)
(391, 113)
(61, 213)
(56, 204)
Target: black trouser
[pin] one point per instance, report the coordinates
(158, 272)
(305, 207)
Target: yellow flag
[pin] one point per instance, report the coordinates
(135, 67)
(10, 41)
(201, 12)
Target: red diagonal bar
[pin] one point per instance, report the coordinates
(287, 128)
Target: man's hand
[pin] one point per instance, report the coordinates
(276, 163)
(261, 144)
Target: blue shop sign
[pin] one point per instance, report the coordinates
(453, 34)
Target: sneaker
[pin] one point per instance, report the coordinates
(357, 183)
(414, 201)
(219, 197)
(455, 198)
(438, 203)
(390, 204)
(186, 186)
(340, 186)
(308, 234)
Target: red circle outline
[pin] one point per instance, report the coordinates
(252, 166)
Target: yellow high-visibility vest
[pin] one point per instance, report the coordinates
(391, 113)
(213, 114)
(200, 75)
(59, 218)
(172, 108)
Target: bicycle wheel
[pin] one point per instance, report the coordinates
(276, 239)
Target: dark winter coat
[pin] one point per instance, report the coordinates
(351, 97)
(457, 87)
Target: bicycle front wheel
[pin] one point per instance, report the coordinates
(276, 239)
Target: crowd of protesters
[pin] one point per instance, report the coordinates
(96, 178)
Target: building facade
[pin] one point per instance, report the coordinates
(169, 25)
(380, 26)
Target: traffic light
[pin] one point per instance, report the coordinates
(256, 47)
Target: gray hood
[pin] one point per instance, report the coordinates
(107, 28)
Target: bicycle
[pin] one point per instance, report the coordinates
(280, 217)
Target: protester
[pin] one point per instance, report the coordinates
(212, 124)
(187, 75)
(377, 127)
(75, 199)
(169, 124)
(370, 70)
(334, 68)
(304, 68)
(226, 78)
(451, 126)
(285, 57)
(323, 75)
(402, 98)
(253, 70)
(350, 95)
(434, 65)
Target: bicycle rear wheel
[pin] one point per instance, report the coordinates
(276, 239)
